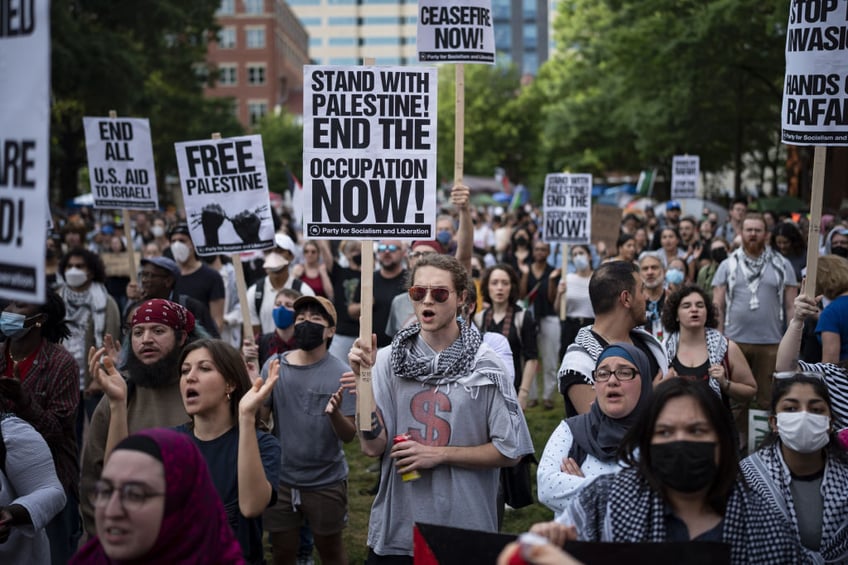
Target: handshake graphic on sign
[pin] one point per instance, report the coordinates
(246, 223)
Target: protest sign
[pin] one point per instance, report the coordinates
(24, 148)
(369, 152)
(456, 32)
(120, 163)
(567, 208)
(685, 170)
(815, 95)
(225, 190)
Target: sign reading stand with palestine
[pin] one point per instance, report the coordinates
(225, 190)
(685, 170)
(369, 152)
(456, 32)
(120, 163)
(24, 148)
(568, 208)
(815, 95)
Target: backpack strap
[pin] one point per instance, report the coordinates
(260, 291)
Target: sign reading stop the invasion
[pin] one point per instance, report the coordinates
(369, 152)
(684, 176)
(815, 94)
(120, 163)
(456, 32)
(567, 208)
(24, 148)
(225, 190)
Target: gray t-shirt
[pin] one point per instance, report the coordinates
(809, 506)
(312, 455)
(763, 325)
(463, 413)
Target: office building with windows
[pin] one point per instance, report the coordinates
(259, 54)
(522, 32)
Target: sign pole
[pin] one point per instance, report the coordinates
(819, 161)
(459, 122)
(563, 268)
(125, 213)
(364, 390)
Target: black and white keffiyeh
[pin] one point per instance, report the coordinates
(410, 360)
(768, 474)
(623, 508)
(716, 350)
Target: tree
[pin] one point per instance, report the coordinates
(282, 143)
(137, 58)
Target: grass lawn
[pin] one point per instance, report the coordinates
(541, 422)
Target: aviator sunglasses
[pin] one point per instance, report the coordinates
(439, 294)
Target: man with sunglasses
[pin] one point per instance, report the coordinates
(447, 396)
(388, 282)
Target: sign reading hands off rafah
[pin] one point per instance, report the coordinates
(120, 163)
(24, 148)
(369, 152)
(815, 94)
(568, 208)
(225, 190)
(456, 31)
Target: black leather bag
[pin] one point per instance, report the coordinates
(516, 485)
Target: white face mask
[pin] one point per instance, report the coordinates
(580, 262)
(803, 432)
(180, 251)
(75, 277)
(157, 231)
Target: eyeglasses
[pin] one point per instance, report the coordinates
(145, 275)
(439, 294)
(417, 254)
(131, 495)
(623, 374)
(391, 248)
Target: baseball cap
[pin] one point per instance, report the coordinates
(431, 243)
(182, 228)
(163, 263)
(672, 205)
(325, 304)
(283, 241)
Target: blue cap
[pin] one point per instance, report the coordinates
(163, 263)
(672, 205)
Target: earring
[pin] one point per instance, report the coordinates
(229, 396)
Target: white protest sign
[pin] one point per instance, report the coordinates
(568, 208)
(120, 163)
(456, 32)
(225, 190)
(369, 152)
(24, 148)
(815, 95)
(685, 170)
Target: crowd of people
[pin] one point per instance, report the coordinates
(217, 442)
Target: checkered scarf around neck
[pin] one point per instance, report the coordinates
(409, 360)
(623, 508)
(768, 474)
(716, 350)
(753, 270)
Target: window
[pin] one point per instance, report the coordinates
(256, 110)
(256, 74)
(382, 41)
(227, 74)
(254, 6)
(529, 9)
(307, 22)
(304, 2)
(503, 37)
(530, 36)
(344, 61)
(341, 41)
(228, 7)
(316, 41)
(255, 37)
(380, 20)
(342, 21)
(227, 38)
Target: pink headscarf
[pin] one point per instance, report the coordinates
(194, 527)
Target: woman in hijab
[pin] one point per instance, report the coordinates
(586, 446)
(166, 509)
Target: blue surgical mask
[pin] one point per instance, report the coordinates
(580, 261)
(674, 276)
(12, 325)
(283, 317)
(444, 237)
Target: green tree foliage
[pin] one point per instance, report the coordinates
(637, 81)
(500, 128)
(282, 143)
(141, 59)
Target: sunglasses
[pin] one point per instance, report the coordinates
(439, 294)
(382, 248)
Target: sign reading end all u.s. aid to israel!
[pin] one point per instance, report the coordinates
(225, 190)
(369, 152)
(815, 94)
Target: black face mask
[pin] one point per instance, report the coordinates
(356, 260)
(841, 251)
(521, 241)
(308, 335)
(475, 273)
(685, 466)
(719, 254)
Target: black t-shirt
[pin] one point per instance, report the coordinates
(541, 305)
(205, 285)
(345, 286)
(385, 291)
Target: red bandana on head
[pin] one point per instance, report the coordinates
(159, 311)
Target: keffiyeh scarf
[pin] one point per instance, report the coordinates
(768, 474)
(83, 308)
(753, 270)
(716, 350)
